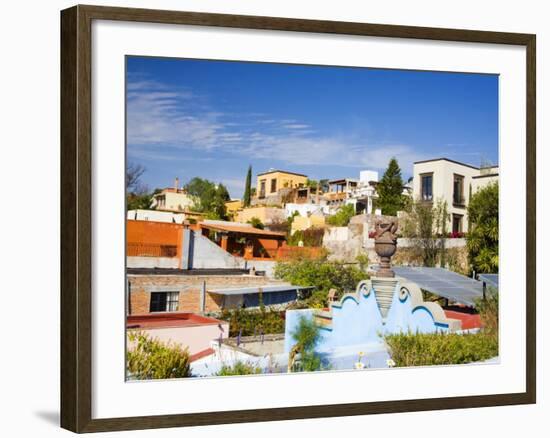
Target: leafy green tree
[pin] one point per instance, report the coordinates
(138, 202)
(307, 335)
(322, 276)
(210, 198)
(482, 240)
(137, 193)
(390, 190)
(148, 358)
(256, 223)
(426, 226)
(248, 188)
(312, 183)
(342, 216)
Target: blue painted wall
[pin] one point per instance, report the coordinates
(357, 321)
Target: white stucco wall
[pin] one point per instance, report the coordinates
(443, 172)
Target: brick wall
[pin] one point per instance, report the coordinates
(189, 288)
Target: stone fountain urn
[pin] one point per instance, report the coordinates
(385, 245)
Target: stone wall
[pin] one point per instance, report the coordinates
(346, 243)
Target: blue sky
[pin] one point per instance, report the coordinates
(212, 119)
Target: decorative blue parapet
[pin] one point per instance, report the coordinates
(379, 306)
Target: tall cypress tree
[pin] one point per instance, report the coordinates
(390, 190)
(247, 188)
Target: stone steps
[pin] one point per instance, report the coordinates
(383, 290)
(323, 318)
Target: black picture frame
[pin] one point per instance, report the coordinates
(76, 217)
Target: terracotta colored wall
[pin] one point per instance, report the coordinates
(270, 245)
(149, 232)
(154, 238)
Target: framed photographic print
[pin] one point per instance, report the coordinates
(303, 218)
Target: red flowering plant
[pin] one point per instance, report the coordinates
(456, 235)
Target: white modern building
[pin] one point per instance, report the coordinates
(359, 192)
(451, 181)
(174, 199)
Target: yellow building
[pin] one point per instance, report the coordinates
(233, 206)
(269, 183)
(301, 223)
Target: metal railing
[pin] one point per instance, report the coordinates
(151, 250)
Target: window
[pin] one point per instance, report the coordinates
(273, 185)
(262, 188)
(426, 187)
(161, 201)
(457, 223)
(164, 302)
(458, 190)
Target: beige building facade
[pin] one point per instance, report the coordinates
(268, 184)
(450, 181)
(267, 215)
(172, 199)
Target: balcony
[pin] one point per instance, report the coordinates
(459, 201)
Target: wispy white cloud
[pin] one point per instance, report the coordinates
(234, 185)
(178, 120)
(296, 126)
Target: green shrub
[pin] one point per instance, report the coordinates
(488, 312)
(440, 348)
(482, 238)
(322, 276)
(363, 261)
(149, 358)
(342, 216)
(256, 223)
(306, 335)
(239, 369)
(310, 237)
(250, 322)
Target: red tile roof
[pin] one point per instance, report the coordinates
(241, 229)
(169, 319)
(201, 354)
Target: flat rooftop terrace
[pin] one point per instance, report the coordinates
(258, 345)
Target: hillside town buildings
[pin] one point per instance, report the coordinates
(183, 270)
